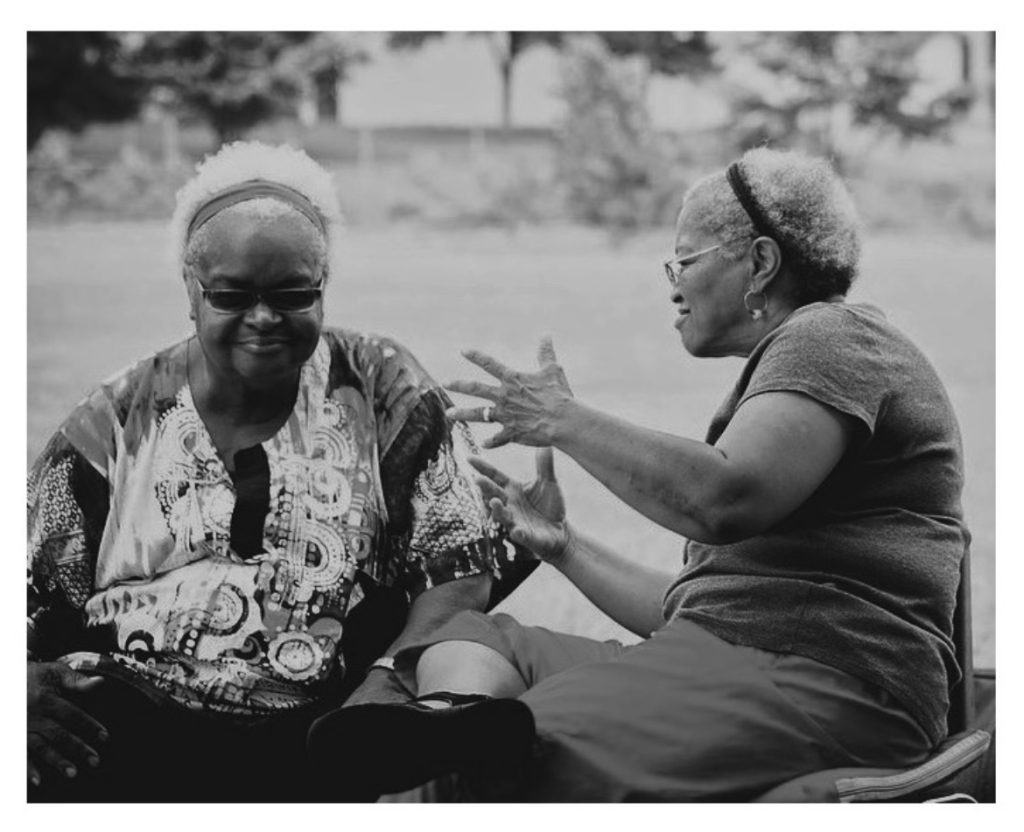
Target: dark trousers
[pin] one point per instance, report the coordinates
(158, 752)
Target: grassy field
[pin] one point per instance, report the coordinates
(101, 295)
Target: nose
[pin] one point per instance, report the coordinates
(262, 316)
(674, 294)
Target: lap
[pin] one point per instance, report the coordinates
(687, 716)
(156, 753)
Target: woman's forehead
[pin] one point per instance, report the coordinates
(231, 230)
(689, 237)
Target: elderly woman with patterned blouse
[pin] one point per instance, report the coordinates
(227, 537)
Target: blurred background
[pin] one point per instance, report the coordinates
(499, 186)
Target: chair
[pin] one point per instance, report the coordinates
(961, 770)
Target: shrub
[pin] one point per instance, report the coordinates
(614, 168)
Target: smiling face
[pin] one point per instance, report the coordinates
(709, 296)
(261, 346)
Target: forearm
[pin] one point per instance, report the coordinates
(628, 593)
(681, 484)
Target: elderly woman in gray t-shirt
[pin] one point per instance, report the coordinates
(811, 624)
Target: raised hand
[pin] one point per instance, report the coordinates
(527, 405)
(533, 514)
(62, 737)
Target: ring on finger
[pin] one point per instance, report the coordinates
(487, 413)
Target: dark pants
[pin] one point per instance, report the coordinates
(160, 752)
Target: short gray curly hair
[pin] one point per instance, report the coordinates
(804, 199)
(239, 162)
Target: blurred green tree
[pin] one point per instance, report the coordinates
(76, 78)
(506, 47)
(811, 88)
(617, 170)
(325, 60)
(669, 53)
(235, 80)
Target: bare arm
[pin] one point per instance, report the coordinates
(778, 448)
(776, 451)
(627, 592)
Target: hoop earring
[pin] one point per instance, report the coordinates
(757, 312)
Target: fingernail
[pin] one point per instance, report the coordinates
(104, 736)
(94, 761)
(35, 779)
(70, 771)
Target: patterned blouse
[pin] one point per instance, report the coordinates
(230, 592)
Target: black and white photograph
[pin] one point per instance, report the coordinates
(471, 416)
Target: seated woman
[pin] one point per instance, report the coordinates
(810, 626)
(225, 536)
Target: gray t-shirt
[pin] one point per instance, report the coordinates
(862, 576)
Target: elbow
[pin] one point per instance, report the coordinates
(730, 516)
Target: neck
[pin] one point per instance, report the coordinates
(758, 329)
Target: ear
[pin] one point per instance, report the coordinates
(767, 261)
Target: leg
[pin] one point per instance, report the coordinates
(686, 716)
(533, 653)
(467, 667)
(403, 746)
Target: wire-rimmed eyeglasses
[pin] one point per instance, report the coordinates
(675, 266)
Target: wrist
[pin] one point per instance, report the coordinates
(564, 423)
(563, 555)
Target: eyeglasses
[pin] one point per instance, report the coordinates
(280, 300)
(675, 266)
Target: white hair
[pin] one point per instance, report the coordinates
(804, 199)
(238, 162)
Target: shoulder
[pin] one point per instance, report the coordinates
(830, 330)
(833, 318)
(374, 358)
(133, 392)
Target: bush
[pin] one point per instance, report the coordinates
(614, 168)
(62, 185)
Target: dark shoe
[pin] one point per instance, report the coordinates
(397, 747)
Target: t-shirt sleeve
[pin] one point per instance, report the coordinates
(436, 514)
(830, 357)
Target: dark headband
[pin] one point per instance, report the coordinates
(762, 225)
(254, 189)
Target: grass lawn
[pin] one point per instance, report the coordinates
(101, 295)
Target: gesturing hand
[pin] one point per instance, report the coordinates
(61, 736)
(534, 514)
(527, 405)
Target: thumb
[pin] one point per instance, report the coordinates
(545, 465)
(546, 352)
(74, 680)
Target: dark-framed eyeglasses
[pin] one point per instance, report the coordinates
(675, 266)
(280, 300)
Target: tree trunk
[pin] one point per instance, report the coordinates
(506, 94)
(327, 104)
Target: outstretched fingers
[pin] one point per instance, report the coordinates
(474, 388)
(491, 365)
(495, 474)
(546, 352)
(545, 460)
